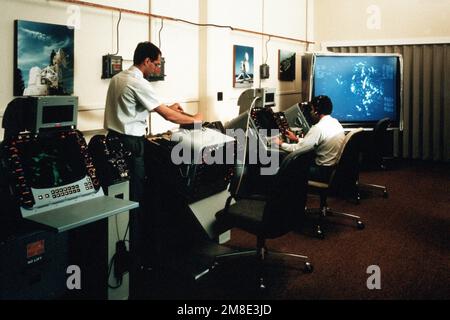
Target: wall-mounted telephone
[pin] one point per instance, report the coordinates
(112, 65)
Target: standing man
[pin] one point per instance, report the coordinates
(129, 100)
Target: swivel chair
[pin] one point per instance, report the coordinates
(343, 180)
(271, 215)
(373, 155)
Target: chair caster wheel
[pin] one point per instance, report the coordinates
(360, 225)
(308, 267)
(319, 233)
(385, 194)
(262, 286)
(358, 199)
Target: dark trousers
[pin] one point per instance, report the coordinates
(320, 173)
(136, 165)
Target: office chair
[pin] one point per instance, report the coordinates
(343, 180)
(272, 215)
(374, 153)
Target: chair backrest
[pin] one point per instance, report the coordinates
(288, 192)
(378, 140)
(380, 127)
(346, 171)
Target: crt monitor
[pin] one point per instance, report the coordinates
(48, 168)
(297, 117)
(55, 111)
(50, 162)
(258, 97)
(269, 97)
(36, 113)
(364, 88)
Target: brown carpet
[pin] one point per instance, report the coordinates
(407, 235)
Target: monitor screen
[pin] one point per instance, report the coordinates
(57, 114)
(297, 117)
(52, 162)
(270, 97)
(363, 88)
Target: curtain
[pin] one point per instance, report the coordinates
(426, 99)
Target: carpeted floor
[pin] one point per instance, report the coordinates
(407, 236)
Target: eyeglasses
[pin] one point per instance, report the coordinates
(158, 65)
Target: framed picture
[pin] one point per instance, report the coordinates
(43, 59)
(242, 67)
(286, 62)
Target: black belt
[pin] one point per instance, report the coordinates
(115, 133)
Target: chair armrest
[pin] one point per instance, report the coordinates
(318, 184)
(227, 203)
(259, 197)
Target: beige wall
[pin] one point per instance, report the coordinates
(350, 20)
(179, 46)
(95, 37)
(282, 17)
(199, 60)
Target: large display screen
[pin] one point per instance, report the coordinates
(363, 88)
(52, 162)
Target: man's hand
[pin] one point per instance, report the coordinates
(277, 141)
(198, 117)
(176, 107)
(291, 136)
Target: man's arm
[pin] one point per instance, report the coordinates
(307, 143)
(176, 116)
(176, 107)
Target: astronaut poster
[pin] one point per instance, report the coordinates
(243, 67)
(43, 59)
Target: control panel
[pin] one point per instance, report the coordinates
(194, 161)
(265, 118)
(110, 159)
(48, 168)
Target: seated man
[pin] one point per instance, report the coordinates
(325, 137)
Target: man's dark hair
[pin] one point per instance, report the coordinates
(322, 104)
(145, 50)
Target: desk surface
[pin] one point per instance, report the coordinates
(81, 213)
(350, 129)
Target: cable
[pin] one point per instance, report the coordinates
(117, 227)
(262, 39)
(117, 32)
(262, 30)
(126, 231)
(159, 34)
(114, 257)
(96, 5)
(246, 143)
(119, 283)
(267, 52)
(205, 24)
(306, 26)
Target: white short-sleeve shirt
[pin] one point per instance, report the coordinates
(326, 137)
(129, 100)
